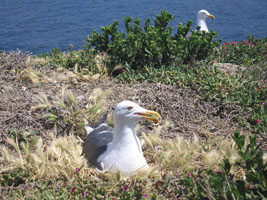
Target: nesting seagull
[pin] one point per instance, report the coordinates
(118, 149)
(201, 21)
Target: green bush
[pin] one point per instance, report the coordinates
(153, 46)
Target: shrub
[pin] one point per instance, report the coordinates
(153, 46)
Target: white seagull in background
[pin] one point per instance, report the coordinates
(118, 149)
(201, 21)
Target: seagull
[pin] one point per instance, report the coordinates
(201, 21)
(118, 149)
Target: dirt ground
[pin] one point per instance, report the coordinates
(183, 107)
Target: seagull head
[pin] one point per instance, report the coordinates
(130, 112)
(203, 14)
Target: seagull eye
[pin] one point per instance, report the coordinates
(130, 108)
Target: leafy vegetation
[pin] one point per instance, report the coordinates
(155, 46)
(222, 184)
(250, 52)
(85, 60)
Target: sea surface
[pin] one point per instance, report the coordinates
(39, 25)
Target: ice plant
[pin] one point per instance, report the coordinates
(25, 188)
(84, 193)
(189, 175)
(77, 170)
(70, 56)
(245, 43)
(122, 70)
(261, 104)
(258, 121)
(73, 189)
(145, 195)
(125, 188)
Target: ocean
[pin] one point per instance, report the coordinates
(37, 26)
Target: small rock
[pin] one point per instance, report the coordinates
(81, 97)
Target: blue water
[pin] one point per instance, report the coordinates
(40, 25)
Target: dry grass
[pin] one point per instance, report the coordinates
(57, 158)
(180, 155)
(65, 112)
(33, 76)
(60, 156)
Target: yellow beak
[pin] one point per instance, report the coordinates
(211, 16)
(151, 115)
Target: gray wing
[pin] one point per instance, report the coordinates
(96, 143)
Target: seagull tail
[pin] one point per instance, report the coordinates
(102, 120)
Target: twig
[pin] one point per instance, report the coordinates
(230, 187)
(207, 191)
(9, 118)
